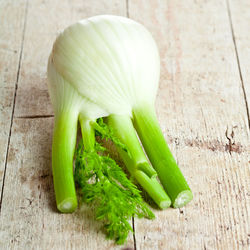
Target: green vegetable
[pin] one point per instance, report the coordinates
(108, 66)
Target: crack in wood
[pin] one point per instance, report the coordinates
(204, 247)
(127, 8)
(133, 220)
(232, 146)
(34, 116)
(14, 99)
(238, 60)
(133, 224)
(229, 142)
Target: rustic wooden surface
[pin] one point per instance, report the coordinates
(202, 105)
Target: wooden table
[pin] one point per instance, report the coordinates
(202, 105)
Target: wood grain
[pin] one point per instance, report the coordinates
(10, 55)
(202, 112)
(239, 15)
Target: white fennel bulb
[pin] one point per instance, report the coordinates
(104, 59)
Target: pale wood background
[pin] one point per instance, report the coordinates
(202, 107)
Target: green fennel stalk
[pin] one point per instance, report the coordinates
(157, 150)
(137, 162)
(64, 142)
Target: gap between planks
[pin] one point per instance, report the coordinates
(33, 116)
(238, 60)
(133, 219)
(14, 98)
(127, 8)
(134, 238)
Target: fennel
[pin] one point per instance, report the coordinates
(108, 66)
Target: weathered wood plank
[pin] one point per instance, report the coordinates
(239, 14)
(202, 112)
(29, 219)
(10, 54)
(28, 216)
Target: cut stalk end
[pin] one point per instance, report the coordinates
(136, 161)
(182, 199)
(165, 204)
(153, 141)
(68, 205)
(154, 189)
